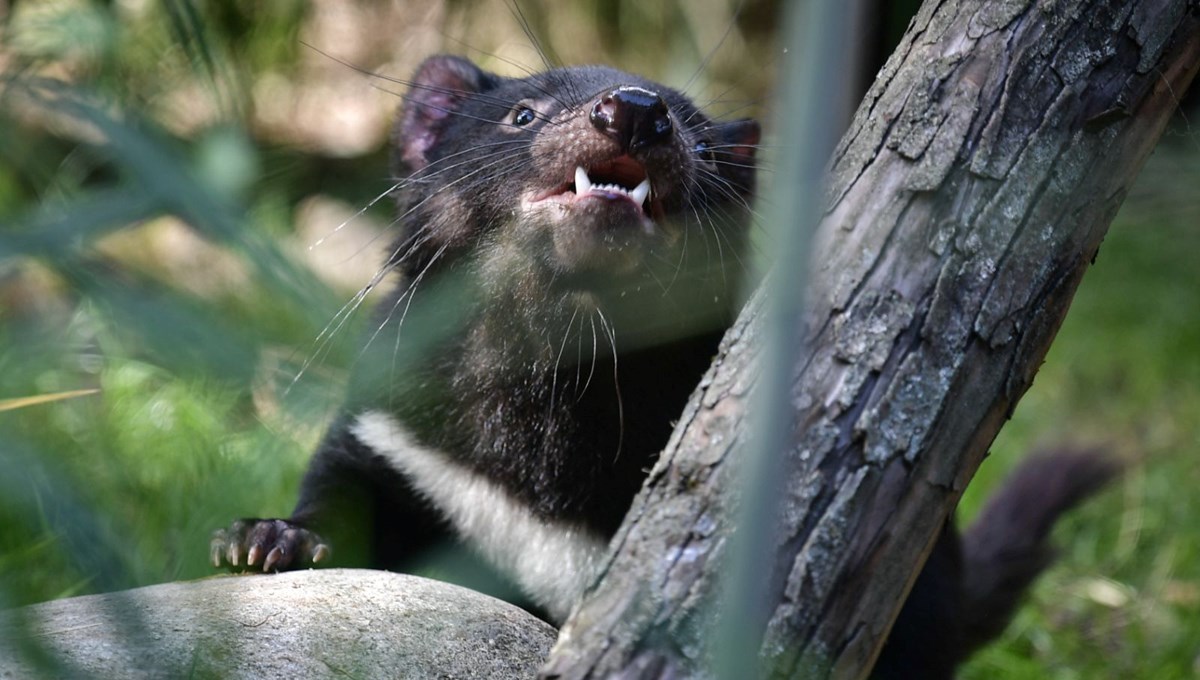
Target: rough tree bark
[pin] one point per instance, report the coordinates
(965, 203)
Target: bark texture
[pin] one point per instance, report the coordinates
(966, 201)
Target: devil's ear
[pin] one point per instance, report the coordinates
(740, 138)
(437, 91)
(738, 150)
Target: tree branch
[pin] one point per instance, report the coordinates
(964, 205)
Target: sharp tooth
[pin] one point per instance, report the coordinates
(641, 191)
(582, 183)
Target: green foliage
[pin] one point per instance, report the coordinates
(139, 259)
(159, 159)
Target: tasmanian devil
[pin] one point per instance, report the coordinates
(569, 245)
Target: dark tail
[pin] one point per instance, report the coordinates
(1006, 547)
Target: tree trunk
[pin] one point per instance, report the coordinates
(965, 202)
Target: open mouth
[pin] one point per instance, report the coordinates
(621, 178)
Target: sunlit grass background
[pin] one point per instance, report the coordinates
(174, 181)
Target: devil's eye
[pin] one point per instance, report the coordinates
(524, 116)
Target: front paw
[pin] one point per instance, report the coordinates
(278, 544)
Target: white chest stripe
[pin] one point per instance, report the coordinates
(551, 561)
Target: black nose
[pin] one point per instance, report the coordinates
(635, 117)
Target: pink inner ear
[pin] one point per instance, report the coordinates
(416, 149)
(744, 139)
(437, 106)
(439, 88)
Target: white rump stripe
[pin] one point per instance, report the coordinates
(551, 561)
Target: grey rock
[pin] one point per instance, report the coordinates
(309, 624)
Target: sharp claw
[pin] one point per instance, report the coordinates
(244, 541)
(273, 558)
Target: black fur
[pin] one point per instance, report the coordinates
(549, 356)
(568, 434)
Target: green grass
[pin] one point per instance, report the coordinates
(193, 426)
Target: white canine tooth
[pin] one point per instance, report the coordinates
(582, 183)
(640, 192)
